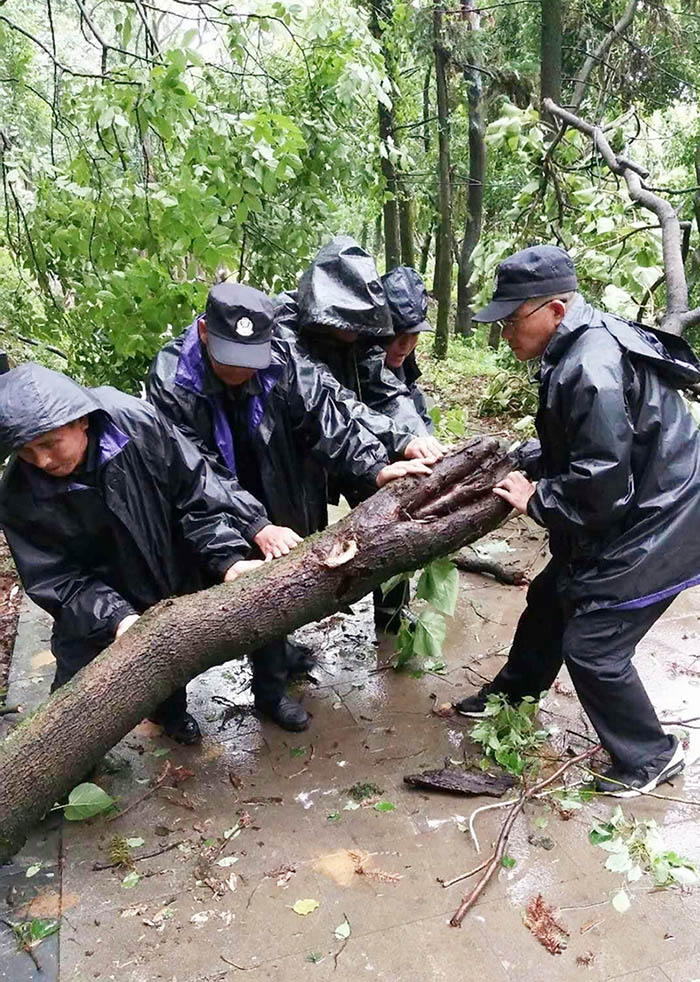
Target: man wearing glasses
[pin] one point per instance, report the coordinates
(618, 490)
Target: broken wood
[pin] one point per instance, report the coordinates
(49, 753)
(462, 782)
(494, 862)
(488, 567)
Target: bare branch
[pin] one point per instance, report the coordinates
(601, 51)
(633, 174)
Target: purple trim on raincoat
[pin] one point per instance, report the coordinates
(190, 375)
(652, 598)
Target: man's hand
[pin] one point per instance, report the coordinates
(402, 468)
(125, 624)
(516, 490)
(274, 541)
(425, 448)
(241, 567)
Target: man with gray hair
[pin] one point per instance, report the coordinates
(618, 490)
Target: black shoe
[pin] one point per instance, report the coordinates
(475, 706)
(287, 713)
(300, 660)
(629, 784)
(184, 729)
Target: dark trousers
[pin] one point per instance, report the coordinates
(387, 608)
(270, 671)
(597, 648)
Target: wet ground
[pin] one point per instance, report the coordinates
(256, 820)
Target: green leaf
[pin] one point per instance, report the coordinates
(342, 932)
(384, 806)
(429, 634)
(333, 817)
(131, 879)
(439, 585)
(508, 862)
(304, 907)
(394, 581)
(33, 870)
(85, 801)
(405, 644)
(619, 862)
(297, 751)
(541, 822)
(135, 842)
(621, 901)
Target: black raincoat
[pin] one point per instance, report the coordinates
(302, 424)
(619, 484)
(409, 373)
(342, 289)
(152, 519)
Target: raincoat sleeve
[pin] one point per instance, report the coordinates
(82, 606)
(251, 516)
(207, 507)
(598, 487)
(527, 457)
(384, 393)
(325, 414)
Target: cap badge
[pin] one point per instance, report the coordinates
(244, 327)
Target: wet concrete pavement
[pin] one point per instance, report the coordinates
(211, 907)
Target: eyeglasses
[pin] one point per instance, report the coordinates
(510, 321)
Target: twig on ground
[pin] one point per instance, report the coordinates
(648, 794)
(494, 861)
(462, 876)
(488, 567)
(137, 801)
(137, 859)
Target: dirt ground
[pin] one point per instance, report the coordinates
(251, 853)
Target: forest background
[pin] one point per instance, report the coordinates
(150, 147)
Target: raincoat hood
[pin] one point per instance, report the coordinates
(342, 288)
(35, 400)
(671, 356)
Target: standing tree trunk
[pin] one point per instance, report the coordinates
(425, 248)
(387, 128)
(398, 529)
(550, 52)
(443, 256)
(406, 223)
(475, 195)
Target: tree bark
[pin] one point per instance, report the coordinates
(550, 51)
(443, 252)
(406, 222)
(398, 529)
(387, 127)
(475, 198)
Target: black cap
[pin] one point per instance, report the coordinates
(538, 271)
(408, 300)
(239, 325)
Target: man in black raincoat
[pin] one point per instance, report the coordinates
(618, 491)
(108, 510)
(267, 415)
(340, 316)
(407, 298)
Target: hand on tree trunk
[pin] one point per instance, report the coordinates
(403, 468)
(243, 566)
(425, 448)
(516, 490)
(275, 541)
(125, 624)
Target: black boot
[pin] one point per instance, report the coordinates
(183, 729)
(287, 713)
(300, 659)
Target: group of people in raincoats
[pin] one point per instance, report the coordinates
(263, 411)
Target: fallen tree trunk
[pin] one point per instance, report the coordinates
(400, 528)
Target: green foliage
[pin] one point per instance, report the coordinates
(363, 790)
(439, 586)
(511, 734)
(86, 801)
(635, 848)
(508, 393)
(31, 933)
